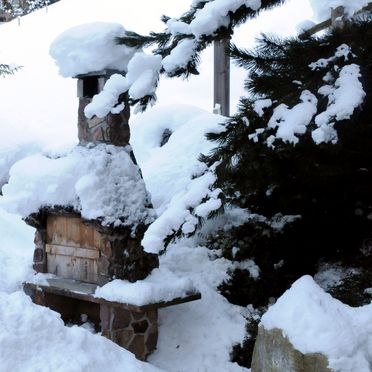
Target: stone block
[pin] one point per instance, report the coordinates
(124, 337)
(121, 318)
(137, 347)
(141, 326)
(151, 339)
(274, 353)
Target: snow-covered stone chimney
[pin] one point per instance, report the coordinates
(90, 54)
(112, 128)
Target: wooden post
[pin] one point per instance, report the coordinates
(337, 17)
(222, 76)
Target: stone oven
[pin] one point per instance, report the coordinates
(80, 254)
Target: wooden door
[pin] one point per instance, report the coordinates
(73, 249)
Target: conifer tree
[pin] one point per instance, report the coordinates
(7, 69)
(297, 156)
(17, 8)
(184, 38)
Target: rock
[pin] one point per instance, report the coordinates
(274, 353)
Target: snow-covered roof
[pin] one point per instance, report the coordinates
(91, 47)
(101, 183)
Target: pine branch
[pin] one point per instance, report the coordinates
(8, 70)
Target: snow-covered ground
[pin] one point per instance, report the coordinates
(38, 115)
(193, 337)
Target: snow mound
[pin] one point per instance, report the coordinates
(91, 47)
(16, 251)
(100, 182)
(34, 338)
(199, 335)
(173, 191)
(315, 322)
(161, 285)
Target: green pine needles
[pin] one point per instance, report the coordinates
(314, 198)
(165, 42)
(6, 70)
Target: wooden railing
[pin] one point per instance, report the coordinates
(336, 20)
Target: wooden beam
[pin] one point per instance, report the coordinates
(79, 252)
(222, 76)
(85, 292)
(330, 22)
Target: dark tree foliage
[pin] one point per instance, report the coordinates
(8, 70)
(165, 42)
(328, 185)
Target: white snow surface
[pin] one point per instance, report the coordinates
(100, 182)
(198, 336)
(9, 154)
(161, 285)
(141, 80)
(146, 72)
(214, 15)
(180, 56)
(34, 338)
(260, 104)
(315, 322)
(294, 121)
(344, 97)
(90, 47)
(173, 191)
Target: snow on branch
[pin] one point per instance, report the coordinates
(345, 94)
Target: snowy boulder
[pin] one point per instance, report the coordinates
(274, 353)
(91, 47)
(309, 330)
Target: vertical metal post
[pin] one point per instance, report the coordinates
(222, 76)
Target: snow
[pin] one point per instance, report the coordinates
(192, 336)
(315, 322)
(346, 96)
(16, 252)
(141, 80)
(40, 108)
(181, 193)
(214, 15)
(144, 70)
(100, 182)
(260, 104)
(178, 27)
(104, 102)
(342, 51)
(329, 276)
(90, 47)
(34, 338)
(161, 285)
(9, 154)
(198, 336)
(180, 56)
(291, 122)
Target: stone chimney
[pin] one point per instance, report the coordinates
(113, 128)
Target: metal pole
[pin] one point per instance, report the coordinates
(222, 76)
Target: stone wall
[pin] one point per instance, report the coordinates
(136, 332)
